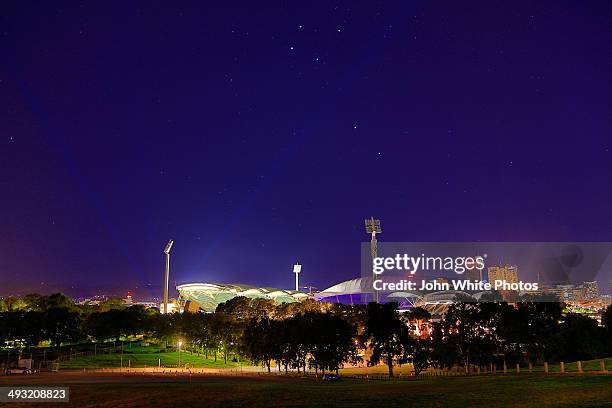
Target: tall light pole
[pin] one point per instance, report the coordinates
(180, 343)
(297, 268)
(372, 227)
(167, 274)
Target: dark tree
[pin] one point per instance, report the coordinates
(11, 325)
(332, 341)
(58, 300)
(35, 302)
(464, 329)
(444, 354)
(538, 328)
(111, 304)
(383, 333)
(606, 321)
(581, 338)
(105, 325)
(297, 340)
(135, 320)
(418, 352)
(33, 328)
(259, 342)
(62, 326)
(27, 328)
(240, 307)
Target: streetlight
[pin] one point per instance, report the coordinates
(167, 274)
(180, 343)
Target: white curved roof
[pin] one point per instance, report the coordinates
(435, 302)
(209, 295)
(349, 287)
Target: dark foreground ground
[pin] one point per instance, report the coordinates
(120, 390)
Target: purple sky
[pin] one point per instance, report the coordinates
(259, 134)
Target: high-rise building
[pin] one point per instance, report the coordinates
(569, 292)
(506, 273)
(512, 274)
(591, 290)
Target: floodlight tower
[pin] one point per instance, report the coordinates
(372, 227)
(167, 274)
(297, 268)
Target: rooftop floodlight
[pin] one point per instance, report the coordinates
(168, 247)
(167, 274)
(297, 268)
(372, 227)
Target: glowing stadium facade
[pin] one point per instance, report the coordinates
(358, 291)
(207, 296)
(354, 291)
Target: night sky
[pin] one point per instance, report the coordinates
(256, 134)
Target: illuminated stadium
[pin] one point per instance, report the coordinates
(350, 292)
(358, 291)
(207, 296)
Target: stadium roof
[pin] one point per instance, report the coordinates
(349, 287)
(359, 291)
(209, 295)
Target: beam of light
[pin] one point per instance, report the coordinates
(373, 47)
(60, 147)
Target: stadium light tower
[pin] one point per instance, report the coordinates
(167, 274)
(297, 268)
(372, 227)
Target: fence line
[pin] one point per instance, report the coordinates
(455, 372)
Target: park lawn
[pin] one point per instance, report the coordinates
(48, 352)
(589, 365)
(145, 356)
(406, 369)
(478, 391)
(381, 369)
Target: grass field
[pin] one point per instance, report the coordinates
(149, 356)
(140, 356)
(499, 391)
(406, 369)
(121, 390)
(591, 365)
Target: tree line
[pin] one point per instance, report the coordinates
(489, 333)
(322, 336)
